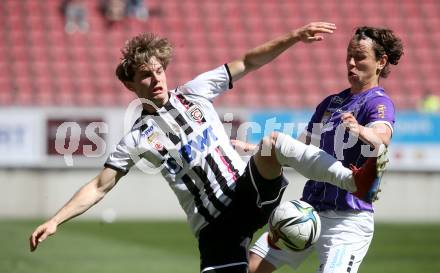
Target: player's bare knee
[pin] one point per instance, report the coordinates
(265, 159)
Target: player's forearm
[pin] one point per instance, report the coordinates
(244, 148)
(261, 55)
(265, 53)
(81, 201)
(372, 137)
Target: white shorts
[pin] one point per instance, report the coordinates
(344, 241)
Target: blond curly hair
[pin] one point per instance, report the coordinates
(139, 50)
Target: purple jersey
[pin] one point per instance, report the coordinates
(369, 107)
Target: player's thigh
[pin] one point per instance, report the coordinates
(344, 241)
(265, 159)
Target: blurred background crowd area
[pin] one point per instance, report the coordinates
(63, 53)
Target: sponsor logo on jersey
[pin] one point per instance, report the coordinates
(200, 143)
(381, 111)
(195, 113)
(158, 146)
(337, 100)
(152, 137)
(153, 140)
(148, 131)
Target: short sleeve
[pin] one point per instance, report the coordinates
(209, 84)
(120, 159)
(380, 109)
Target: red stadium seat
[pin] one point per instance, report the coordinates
(36, 50)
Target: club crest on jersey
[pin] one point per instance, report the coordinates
(195, 113)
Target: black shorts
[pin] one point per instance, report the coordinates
(224, 243)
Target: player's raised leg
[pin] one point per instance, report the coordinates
(279, 150)
(267, 164)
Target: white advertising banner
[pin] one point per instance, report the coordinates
(415, 157)
(55, 137)
(21, 137)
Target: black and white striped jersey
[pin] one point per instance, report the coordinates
(187, 142)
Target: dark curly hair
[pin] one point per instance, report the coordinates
(139, 50)
(385, 43)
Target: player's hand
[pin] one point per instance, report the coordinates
(41, 233)
(243, 147)
(351, 124)
(309, 33)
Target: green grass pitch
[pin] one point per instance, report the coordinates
(159, 247)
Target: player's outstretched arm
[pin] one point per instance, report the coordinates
(265, 53)
(244, 147)
(88, 195)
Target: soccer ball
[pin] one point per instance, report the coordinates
(294, 226)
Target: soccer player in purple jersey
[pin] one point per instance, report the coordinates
(363, 113)
(179, 132)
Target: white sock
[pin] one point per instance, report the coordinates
(313, 163)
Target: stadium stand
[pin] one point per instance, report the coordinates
(42, 65)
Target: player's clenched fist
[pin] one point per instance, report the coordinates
(41, 233)
(351, 124)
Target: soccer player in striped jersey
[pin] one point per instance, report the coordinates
(367, 113)
(179, 132)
